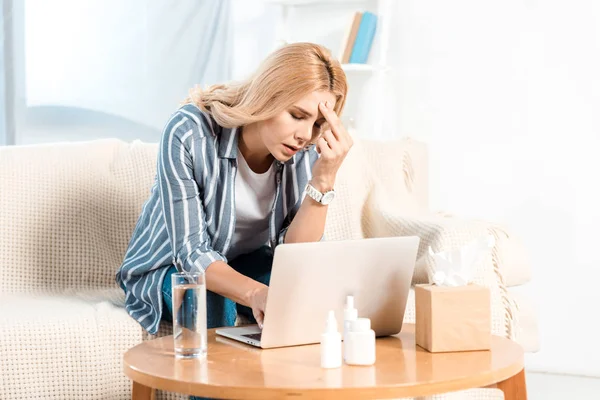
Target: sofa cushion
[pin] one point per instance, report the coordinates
(399, 166)
(527, 332)
(353, 183)
(514, 262)
(64, 347)
(68, 211)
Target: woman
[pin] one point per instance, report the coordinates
(234, 163)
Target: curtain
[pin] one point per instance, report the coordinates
(7, 117)
(113, 68)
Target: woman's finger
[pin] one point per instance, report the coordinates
(259, 317)
(335, 124)
(333, 142)
(323, 147)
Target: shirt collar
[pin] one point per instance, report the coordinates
(228, 143)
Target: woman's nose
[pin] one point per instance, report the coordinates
(305, 134)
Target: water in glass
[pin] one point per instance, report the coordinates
(189, 317)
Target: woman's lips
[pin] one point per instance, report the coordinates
(290, 150)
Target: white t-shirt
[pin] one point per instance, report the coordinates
(254, 196)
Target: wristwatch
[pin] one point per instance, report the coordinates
(323, 198)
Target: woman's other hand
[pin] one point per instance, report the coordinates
(258, 302)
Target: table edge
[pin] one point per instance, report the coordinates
(251, 392)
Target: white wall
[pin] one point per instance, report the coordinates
(505, 94)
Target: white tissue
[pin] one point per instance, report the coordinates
(457, 267)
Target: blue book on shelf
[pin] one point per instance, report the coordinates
(364, 38)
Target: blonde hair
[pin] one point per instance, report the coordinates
(284, 77)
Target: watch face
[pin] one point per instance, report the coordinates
(328, 197)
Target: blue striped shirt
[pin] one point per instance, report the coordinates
(189, 218)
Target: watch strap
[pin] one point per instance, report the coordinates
(314, 193)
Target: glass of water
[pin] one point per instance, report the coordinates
(189, 314)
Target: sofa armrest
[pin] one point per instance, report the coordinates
(443, 232)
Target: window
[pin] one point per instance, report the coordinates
(97, 69)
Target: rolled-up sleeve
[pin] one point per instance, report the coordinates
(302, 175)
(283, 232)
(180, 196)
(281, 237)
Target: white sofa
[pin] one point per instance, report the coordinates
(67, 211)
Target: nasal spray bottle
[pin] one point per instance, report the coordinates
(331, 344)
(350, 314)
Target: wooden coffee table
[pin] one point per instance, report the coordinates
(237, 371)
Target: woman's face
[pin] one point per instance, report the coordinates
(294, 128)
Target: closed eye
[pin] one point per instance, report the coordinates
(300, 118)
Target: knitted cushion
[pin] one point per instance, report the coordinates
(64, 347)
(400, 168)
(371, 164)
(526, 324)
(443, 233)
(353, 183)
(68, 211)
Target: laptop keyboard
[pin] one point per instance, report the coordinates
(254, 336)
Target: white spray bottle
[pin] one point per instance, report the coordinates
(331, 344)
(350, 314)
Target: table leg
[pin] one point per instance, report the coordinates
(141, 392)
(514, 388)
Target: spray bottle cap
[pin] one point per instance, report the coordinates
(331, 324)
(361, 325)
(349, 311)
(349, 301)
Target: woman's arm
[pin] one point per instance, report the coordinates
(221, 278)
(309, 223)
(186, 218)
(179, 192)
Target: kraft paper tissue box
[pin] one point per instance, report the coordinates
(452, 318)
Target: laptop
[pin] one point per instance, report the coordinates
(309, 279)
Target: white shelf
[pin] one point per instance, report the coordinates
(313, 2)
